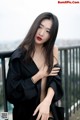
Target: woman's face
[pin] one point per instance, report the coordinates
(43, 32)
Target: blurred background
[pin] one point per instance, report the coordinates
(16, 17)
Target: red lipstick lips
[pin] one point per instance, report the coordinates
(39, 38)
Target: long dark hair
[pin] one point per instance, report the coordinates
(48, 46)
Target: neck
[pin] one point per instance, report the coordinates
(38, 48)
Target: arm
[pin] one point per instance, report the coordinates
(18, 88)
(51, 91)
(54, 82)
(50, 95)
(43, 71)
(43, 109)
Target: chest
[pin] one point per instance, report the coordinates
(39, 60)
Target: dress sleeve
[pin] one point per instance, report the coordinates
(55, 82)
(18, 88)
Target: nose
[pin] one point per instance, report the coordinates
(41, 33)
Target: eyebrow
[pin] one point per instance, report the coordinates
(46, 28)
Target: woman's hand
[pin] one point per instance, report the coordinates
(44, 73)
(54, 71)
(43, 110)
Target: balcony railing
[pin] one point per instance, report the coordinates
(70, 62)
(69, 59)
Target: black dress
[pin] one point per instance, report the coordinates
(22, 92)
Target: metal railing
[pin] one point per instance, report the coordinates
(70, 62)
(3, 56)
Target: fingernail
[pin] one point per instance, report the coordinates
(33, 114)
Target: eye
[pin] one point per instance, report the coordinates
(40, 26)
(48, 31)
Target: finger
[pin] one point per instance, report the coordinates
(36, 110)
(44, 117)
(55, 74)
(39, 116)
(47, 117)
(55, 71)
(55, 68)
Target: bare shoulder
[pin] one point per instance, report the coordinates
(55, 54)
(55, 49)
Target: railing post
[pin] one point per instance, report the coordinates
(4, 85)
(66, 83)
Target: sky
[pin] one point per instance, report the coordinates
(16, 17)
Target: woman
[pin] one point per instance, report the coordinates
(33, 80)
